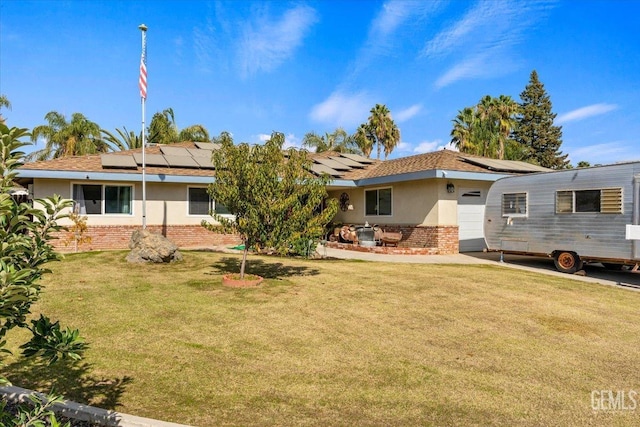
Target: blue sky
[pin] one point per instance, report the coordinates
(251, 68)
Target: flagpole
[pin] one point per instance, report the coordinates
(143, 99)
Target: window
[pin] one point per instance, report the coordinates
(102, 199)
(378, 202)
(607, 200)
(514, 204)
(201, 204)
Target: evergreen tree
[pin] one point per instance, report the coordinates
(535, 129)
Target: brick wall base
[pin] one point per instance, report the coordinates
(118, 236)
(416, 240)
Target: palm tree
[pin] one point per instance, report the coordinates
(364, 139)
(194, 133)
(505, 114)
(78, 137)
(4, 102)
(163, 128)
(126, 140)
(339, 140)
(384, 129)
(463, 135)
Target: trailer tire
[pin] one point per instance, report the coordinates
(567, 262)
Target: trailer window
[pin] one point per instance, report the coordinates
(607, 200)
(514, 204)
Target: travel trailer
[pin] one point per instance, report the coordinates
(575, 216)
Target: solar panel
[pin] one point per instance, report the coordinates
(174, 151)
(151, 159)
(196, 152)
(118, 161)
(333, 164)
(347, 162)
(357, 158)
(207, 145)
(204, 162)
(505, 165)
(181, 161)
(320, 169)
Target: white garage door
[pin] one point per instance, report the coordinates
(471, 203)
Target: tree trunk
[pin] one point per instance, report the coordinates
(244, 260)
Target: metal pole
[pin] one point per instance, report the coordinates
(143, 98)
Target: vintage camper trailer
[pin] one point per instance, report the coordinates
(575, 216)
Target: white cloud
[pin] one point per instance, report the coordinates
(342, 110)
(407, 113)
(427, 146)
(585, 112)
(485, 35)
(267, 42)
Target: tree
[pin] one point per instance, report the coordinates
(363, 139)
(78, 137)
(276, 202)
(163, 128)
(485, 130)
(4, 102)
(339, 140)
(583, 164)
(126, 140)
(535, 129)
(25, 232)
(383, 129)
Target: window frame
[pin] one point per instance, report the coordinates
(377, 190)
(515, 214)
(211, 203)
(103, 199)
(604, 204)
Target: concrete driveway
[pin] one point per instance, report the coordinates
(593, 273)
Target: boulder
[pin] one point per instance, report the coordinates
(147, 246)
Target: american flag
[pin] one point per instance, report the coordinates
(142, 81)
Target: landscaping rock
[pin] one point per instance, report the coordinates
(147, 246)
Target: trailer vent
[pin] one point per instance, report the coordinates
(611, 200)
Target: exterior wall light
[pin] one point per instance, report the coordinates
(451, 188)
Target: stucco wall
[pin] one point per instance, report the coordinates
(167, 204)
(424, 202)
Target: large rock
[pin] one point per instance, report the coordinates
(152, 247)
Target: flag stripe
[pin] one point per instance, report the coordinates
(142, 80)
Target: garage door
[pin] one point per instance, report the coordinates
(471, 203)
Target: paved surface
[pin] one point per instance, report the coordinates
(594, 273)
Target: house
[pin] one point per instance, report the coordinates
(435, 199)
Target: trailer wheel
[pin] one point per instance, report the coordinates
(567, 262)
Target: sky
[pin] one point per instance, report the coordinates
(254, 67)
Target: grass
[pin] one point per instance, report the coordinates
(326, 342)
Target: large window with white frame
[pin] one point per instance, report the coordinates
(514, 204)
(200, 203)
(102, 199)
(378, 202)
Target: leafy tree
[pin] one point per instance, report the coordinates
(382, 130)
(584, 164)
(272, 195)
(535, 129)
(4, 102)
(25, 232)
(78, 137)
(339, 140)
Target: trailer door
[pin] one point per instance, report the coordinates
(471, 202)
(636, 214)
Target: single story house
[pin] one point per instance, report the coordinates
(436, 199)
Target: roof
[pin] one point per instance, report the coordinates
(190, 159)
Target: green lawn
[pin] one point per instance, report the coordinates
(326, 342)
